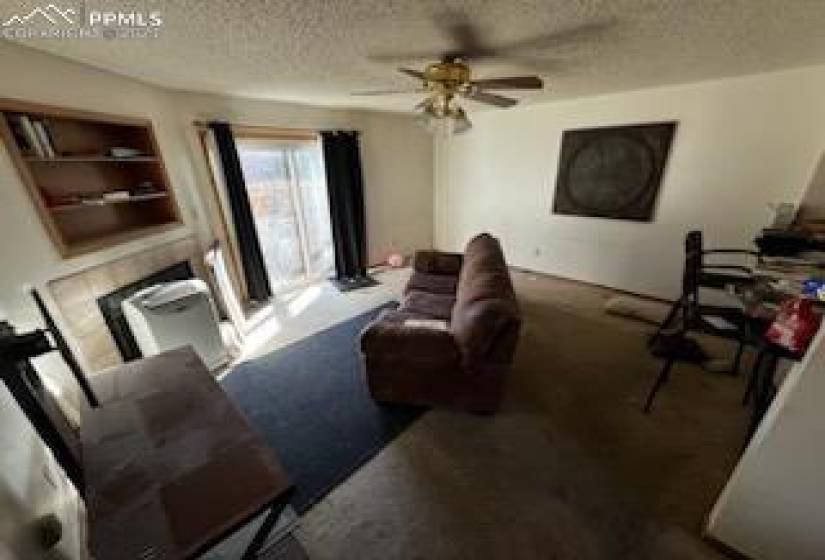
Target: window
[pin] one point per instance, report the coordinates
(286, 183)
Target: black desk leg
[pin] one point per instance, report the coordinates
(737, 360)
(764, 392)
(266, 527)
(754, 377)
(744, 337)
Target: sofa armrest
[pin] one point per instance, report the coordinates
(388, 337)
(437, 262)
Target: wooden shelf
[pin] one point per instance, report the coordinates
(92, 224)
(91, 159)
(85, 205)
(83, 246)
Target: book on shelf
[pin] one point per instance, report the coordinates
(45, 138)
(32, 136)
(116, 196)
(20, 136)
(120, 152)
(30, 141)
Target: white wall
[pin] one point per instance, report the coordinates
(741, 144)
(27, 257)
(773, 506)
(398, 184)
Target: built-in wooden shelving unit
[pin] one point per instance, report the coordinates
(96, 179)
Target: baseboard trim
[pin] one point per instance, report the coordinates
(592, 284)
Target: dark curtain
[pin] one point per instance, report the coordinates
(252, 259)
(346, 204)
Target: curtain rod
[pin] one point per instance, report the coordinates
(263, 127)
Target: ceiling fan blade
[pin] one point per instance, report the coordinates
(396, 58)
(512, 82)
(412, 73)
(571, 34)
(533, 63)
(387, 91)
(466, 38)
(463, 34)
(491, 99)
(467, 43)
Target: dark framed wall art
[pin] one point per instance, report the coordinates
(612, 172)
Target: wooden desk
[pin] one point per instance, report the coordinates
(171, 466)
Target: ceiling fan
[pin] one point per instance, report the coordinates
(450, 79)
(444, 82)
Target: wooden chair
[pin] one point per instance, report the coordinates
(724, 322)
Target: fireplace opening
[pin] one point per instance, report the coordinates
(109, 305)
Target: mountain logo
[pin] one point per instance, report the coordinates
(51, 14)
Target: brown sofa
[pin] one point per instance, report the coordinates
(460, 354)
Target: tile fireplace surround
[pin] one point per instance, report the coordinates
(76, 297)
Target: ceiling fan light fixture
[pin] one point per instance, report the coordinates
(425, 121)
(428, 120)
(460, 122)
(437, 126)
(441, 114)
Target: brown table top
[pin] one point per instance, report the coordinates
(170, 464)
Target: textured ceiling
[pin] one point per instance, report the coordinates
(316, 51)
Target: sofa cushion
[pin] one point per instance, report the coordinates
(485, 301)
(478, 325)
(484, 285)
(433, 283)
(484, 274)
(483, 253)
(437, 306)
(388, 337)
(437, 262)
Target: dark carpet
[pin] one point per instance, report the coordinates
(310, 403)
(569, 469)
